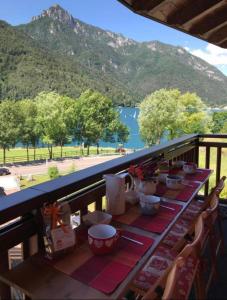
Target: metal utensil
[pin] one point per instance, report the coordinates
(167, 207)
(131, 240)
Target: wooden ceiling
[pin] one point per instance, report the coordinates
(205, 19)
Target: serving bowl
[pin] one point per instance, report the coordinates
(149, 204)
(97, 217)
(102, 238)
(174, 182)
(189, 168)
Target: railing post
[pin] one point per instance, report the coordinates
(207, 166)
(5, 293)
(218, 165)
(98, 204)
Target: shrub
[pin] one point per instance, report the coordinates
(53, 172)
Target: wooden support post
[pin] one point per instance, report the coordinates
(207, 166)
(5, 293)
(218, 165)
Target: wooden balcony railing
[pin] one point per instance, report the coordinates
(20, 212)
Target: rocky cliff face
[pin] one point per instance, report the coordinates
(56, 12)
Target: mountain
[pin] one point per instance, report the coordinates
(27, 68)
(75, 56)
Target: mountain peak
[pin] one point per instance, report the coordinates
(56, 12)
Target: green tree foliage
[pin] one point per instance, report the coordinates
(219, 121)
(55, 118)
(169, 111)
(224, 128)
(97, 119)
(11, 121)
(159, 112)
(195, 118)
(53, 172)
(30, 132)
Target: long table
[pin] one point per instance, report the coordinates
(39, 279)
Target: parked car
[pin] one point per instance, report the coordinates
(4, 171)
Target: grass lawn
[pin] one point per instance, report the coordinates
(213, 153)
(37, 179)
(20, 154)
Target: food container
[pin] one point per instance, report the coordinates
(97, 217)
(102, 238)
(174, 182)
(149, 204)
(189, 168)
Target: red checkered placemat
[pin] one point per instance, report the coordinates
(200, 174)
(105, 272)
(157, 223)
(183, 194)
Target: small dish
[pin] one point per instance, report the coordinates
(97, 217)
(149, 204)
(174, 182)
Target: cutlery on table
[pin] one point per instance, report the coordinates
(185, 184)
(167, 207)
(131, 240)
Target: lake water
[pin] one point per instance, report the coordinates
(129, 116)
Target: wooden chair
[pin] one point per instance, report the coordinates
(189, 273)
(212, 237)
(181, 232)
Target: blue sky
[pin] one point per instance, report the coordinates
(111, 15)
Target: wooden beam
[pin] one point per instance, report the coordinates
(223, 44)
(208, 20)
(188, 10)
(145, 5)
(216, 32)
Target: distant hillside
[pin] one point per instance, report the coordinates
(65, 54)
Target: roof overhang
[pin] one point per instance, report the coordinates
(204, 19)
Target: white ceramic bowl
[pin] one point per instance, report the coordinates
(97, 217)
(189, 168)
(173, 182)
(149, 204)
(102, 238)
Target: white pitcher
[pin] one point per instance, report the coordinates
(115, 193)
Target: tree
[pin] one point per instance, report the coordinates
(219, 120)
(172, 113)
(55, 118)
(116, 132)
(30, 132)
(96, 115)
(159, 112)
(195, 118)
(10, 125)
(224, 128)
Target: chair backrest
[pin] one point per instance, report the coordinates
(172, 278)
(220, 186)
(215, 191)
(191, 252)
(211, 213)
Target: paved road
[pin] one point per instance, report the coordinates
(63, 166)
